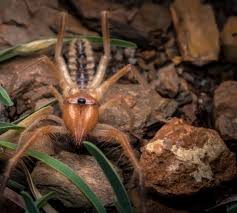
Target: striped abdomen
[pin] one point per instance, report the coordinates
(81, 62)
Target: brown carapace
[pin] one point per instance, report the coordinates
(80, 114)
(82, 90)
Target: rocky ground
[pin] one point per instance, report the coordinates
(184, 130)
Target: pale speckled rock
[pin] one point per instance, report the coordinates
(182, 159)
(47, 179)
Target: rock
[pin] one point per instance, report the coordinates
(24, 21)
(129, 56)
(148, 68)
(16, 11)
(147, 24)
(229, 39)
(170, 85)
(185, 96)
(197, 32)
(225, 110)
(171, 49)
(168, 81)
(73, 25)
(190, 111)
(149, 55)
(47, 179)
(30, 24)
(142, 108)
(183, 159)
(132, 24)
(25, 86)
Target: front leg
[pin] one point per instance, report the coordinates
(33, 124)
(108, 133)
(57, 95)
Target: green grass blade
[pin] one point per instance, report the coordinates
(118, 207)
(30, 204)
(34, 46)
(11, 134)
(122, 43)
(44, 199)
(232, 208)
(13, 184)
(4, 97)
(114, 179)
(7, 53)
(4, 126)
(16, 185)
(113, 41)
(66, 171)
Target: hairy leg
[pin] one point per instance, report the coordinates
(104, 61)
(57, 95)
(33, 124)
(23, 147)
(119, 74)
(58, 73)
(109, 133)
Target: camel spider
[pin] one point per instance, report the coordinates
(82, 91)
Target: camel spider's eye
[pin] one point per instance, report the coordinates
(81, 101)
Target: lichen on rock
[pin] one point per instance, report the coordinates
(183, 159)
